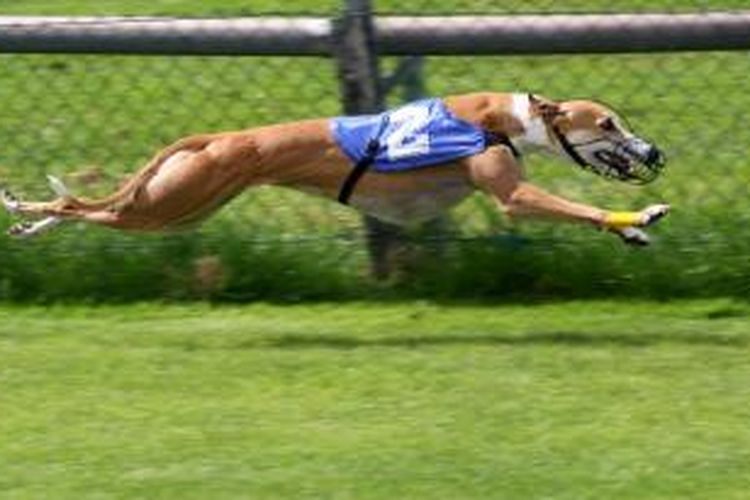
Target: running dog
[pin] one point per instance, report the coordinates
(402, 166)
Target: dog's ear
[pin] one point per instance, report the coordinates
(562, 121)
(543, 107)
(551, 112)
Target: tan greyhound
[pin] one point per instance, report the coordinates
(402, 166)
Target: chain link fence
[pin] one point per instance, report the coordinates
(92, 119)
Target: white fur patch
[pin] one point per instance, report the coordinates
(535, 132)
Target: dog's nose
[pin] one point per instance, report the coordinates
(645, 152)
(654, 157)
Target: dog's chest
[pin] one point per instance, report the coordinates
(405, 203)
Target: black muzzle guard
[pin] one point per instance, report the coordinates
(643, 163)
(631, 160)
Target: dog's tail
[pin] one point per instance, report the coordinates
(59, 187)
(64, 194)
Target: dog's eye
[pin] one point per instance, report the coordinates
(607, 124)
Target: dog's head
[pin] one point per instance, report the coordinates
(597, 139)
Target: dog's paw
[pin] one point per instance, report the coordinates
(20, 230)
(633, 236)
(27, 229)
(652, 214)
(9, 201)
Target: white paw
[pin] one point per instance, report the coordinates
(634, 236)
(19, 230)
(27, 229)
(9, 201)
(653, 214)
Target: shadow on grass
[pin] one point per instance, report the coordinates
(538, 338)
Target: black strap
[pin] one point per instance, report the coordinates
(569, 149)
(505, 141)
(358, 171)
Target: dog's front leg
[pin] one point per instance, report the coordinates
(498, 173)
(529, 200)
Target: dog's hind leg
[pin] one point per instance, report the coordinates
(54, 212)
(185, 182)
(15, 206)
(190, 185)
(27, 229)
(67, 205)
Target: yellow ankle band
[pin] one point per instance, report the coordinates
(620, 220)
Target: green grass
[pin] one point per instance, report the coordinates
(415, 400)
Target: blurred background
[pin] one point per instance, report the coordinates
(93, 118)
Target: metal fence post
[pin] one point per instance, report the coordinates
(359, 77)
(414, 88)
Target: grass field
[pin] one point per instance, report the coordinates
(411, 400)
(390, 399)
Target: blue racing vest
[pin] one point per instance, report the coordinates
(418, 134)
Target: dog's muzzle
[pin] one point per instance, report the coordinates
(630, 160)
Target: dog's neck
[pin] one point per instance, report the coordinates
(535, 135)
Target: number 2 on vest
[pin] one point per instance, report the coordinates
(409, 136)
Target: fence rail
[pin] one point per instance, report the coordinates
(398, 35)
(562, 34)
